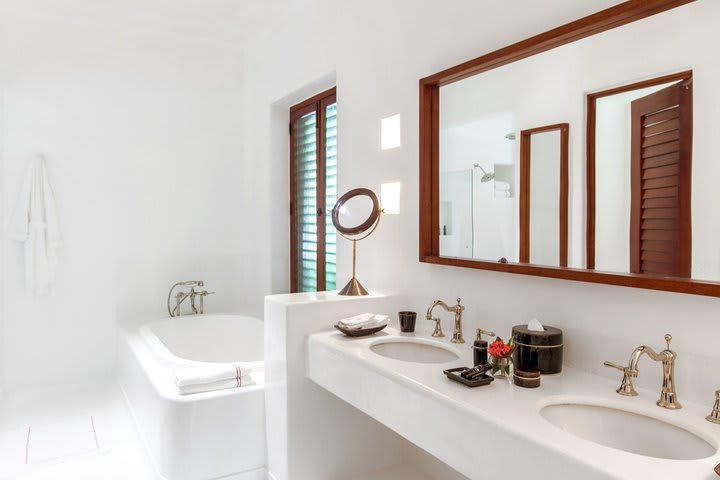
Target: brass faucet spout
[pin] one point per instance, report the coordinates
(458, 310)
(668, 395)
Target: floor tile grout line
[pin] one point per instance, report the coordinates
(27, 445)
(92, 422)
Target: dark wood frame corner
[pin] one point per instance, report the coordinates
(429, 109)
(525, 193)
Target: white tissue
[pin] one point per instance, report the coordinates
(535, 326)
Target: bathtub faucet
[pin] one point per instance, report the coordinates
(182, 296)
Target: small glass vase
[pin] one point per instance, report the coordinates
(502, 368)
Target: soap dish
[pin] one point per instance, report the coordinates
(360, 332)
(454, 374)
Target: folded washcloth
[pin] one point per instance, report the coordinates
(353, 322)
(241, 381)
(364, 320)
(204, 375)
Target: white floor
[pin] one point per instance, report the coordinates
(83, 432)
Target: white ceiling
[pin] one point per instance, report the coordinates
(229, 22)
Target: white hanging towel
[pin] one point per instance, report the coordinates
(35, 223)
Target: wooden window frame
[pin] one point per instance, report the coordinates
(317, 104)
(526, 194)
(429, 134)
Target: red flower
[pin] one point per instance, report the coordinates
(500, 349)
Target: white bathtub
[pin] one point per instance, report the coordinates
(201, 436)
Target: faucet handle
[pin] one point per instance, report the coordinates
(625, 370)
(626, 387)
(615, 365)
(668, 339)
(438, 327)
(714, 416)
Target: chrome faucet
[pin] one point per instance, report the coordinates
(668, 396)
(182, 296)
(458, 310)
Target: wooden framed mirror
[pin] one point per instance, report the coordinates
(659, 234)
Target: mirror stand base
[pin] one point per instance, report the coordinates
(353, 289)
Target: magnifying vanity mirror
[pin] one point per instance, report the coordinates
(355, 216)
(582, 153)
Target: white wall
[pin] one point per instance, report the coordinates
(379, 52)
(143, 136)
(290, 66)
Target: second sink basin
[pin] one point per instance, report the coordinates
(628, 431)
(414, 350)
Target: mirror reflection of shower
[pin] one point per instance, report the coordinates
(486, 176)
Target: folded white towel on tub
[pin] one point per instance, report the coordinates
(242, 381)
(364, 320)
(213, 373)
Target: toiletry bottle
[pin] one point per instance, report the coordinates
(480, 346)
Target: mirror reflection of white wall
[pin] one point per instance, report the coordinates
(456, 232)
(545, 198)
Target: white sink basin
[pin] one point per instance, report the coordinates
(628, 431)
(415, 350)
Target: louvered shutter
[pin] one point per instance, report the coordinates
(313, 129)
(660, 230)
(330, 192)
(305, 204)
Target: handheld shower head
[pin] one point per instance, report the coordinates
(486, 176)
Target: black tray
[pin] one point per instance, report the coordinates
(359, 332)
(454, 374)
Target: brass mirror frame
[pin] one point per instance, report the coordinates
(429, 241)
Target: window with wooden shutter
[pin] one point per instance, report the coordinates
(660, 224)
(313, 191)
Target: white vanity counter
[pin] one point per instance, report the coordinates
(498, 430)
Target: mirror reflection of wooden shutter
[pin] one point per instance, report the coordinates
(660, 223)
